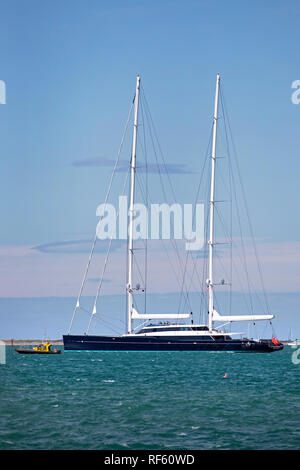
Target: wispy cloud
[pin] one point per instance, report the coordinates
(104, 162)
(169, 168)
(78, 246)
(56, 269)
(123, 165)
(97, 280)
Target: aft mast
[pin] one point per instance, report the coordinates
(211, 210)
(213, 315)
(131, 206)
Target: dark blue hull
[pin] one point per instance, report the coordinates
(155, 343)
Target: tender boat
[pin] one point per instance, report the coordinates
(44, 348)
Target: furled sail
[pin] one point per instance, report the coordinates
(225, 318)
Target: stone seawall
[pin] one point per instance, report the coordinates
(31, 342)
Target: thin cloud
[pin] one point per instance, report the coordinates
(97, 280)
(78, 246)
(169, 168)
(123, 165)
(103, 162)
(31, 272)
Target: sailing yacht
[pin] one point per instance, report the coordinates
(166, 332)
(294, 343)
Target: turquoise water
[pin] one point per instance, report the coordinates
(178, 400)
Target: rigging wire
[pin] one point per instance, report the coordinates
(163, 242)
(245, 200)
(105, 263)
(153, 136)
(182, 266)
(193, 217)
(106, 198)
(146, 203)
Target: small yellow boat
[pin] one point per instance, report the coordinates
(44, 348)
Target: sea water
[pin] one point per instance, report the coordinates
(150, 400)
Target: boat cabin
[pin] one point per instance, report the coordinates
(43, 347)
(168, 329)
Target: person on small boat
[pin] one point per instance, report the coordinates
(275, 340)
(43, 347)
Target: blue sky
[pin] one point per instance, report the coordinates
(70, 69)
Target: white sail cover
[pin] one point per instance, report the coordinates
(137, 316)
(225, 318)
